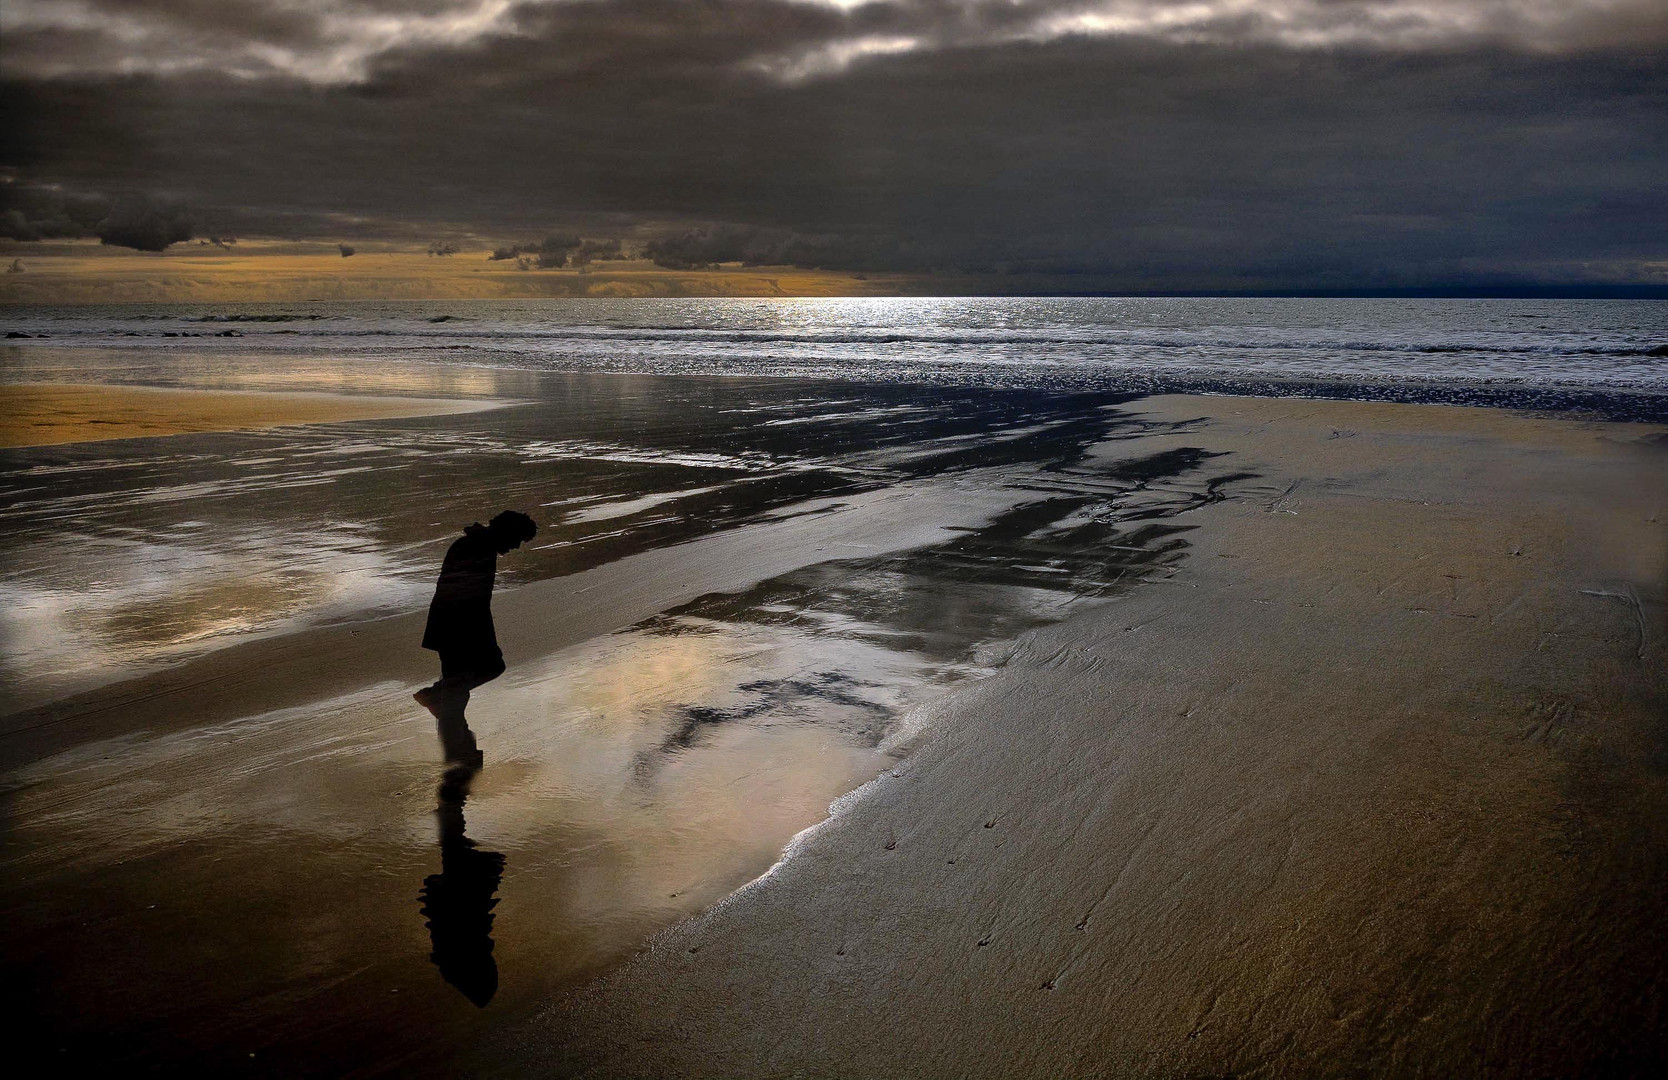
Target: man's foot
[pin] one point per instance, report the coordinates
(430, 697)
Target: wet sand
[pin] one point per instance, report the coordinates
(742, 592)
(131, 558)
(50, 414)
(1374, 784)
(1214, 735)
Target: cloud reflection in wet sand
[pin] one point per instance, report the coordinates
(240, 833)
(133, 554)
(629, 781)
(104, 606)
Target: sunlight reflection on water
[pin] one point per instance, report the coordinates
(78, 609)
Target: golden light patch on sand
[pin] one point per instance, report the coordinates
(45, 414)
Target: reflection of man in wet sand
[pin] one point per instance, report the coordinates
(458, 901)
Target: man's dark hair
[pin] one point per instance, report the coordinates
(514, 524)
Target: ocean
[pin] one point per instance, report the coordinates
(1604, 356)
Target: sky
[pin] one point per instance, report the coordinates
(1135, 145)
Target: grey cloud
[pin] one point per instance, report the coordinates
(338, 41)
(1123, 162)
(701, 247)
(324, 41)
(714, 243)
(31, 212)
(139, 222)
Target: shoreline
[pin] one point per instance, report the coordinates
(1577, 402)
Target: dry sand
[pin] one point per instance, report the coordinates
(1374, 785)
(45, 414)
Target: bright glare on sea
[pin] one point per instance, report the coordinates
(1541, 353)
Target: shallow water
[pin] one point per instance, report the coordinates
(313, 886)
(120, 556)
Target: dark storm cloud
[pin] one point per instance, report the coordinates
(1213, 150)
(337, 41)
(30, 212)
(711, 245)
(136, 221)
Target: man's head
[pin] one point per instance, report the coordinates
(510, 530)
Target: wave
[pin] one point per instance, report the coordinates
(994, 339)
(260, 318)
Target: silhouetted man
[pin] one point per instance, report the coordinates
(458, 901)
(460, 615)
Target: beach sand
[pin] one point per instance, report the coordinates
(1370, 779)
(47, 414)
(1375, 784)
